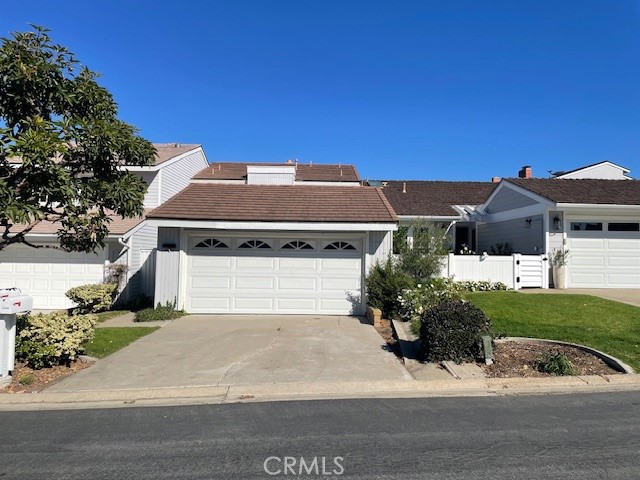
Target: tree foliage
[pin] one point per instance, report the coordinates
(62, 147)
(423, 260)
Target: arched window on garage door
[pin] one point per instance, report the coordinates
(340, 246)
(211, 243)
(297, 245)
(254, 244)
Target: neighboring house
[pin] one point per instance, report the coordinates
(446, 203)
(271, 238)
(47, 273)
(602, 170)
(597, 220)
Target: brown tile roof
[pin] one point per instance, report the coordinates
(118, 226)
(277, 203)
(435, 198)
(305, 172)
(592, 191)
(164, 152)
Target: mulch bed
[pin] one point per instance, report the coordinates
(517, 359)
(28, 380)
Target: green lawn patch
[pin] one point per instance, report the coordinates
(103, 316)
(605, 325)
(111, 339)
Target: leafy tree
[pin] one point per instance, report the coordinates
(423, 259)
(62, 146)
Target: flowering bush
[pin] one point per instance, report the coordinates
(465, 250)
(415, 301)
(93, 298)
(50, 339)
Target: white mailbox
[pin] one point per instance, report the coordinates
(12, 302)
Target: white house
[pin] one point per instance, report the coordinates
(47, 273)
(277, 238)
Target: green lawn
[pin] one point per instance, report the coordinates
(109, 340)
(611, 327)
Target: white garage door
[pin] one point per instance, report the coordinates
(268, 275)
(46, 273)
(604, 253)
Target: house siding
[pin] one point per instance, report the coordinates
(528, 240)
(144, 239)
(508, 199)
(607, 172)
(380, 247)
(152, 179)
(175, 177)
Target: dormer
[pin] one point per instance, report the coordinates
(271, 174)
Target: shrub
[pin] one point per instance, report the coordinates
(93, 298)
(161, 312)
(501, 248)
(44, 340)
(423, 260)
(26, 379)
(453, 330)
(384, 284)
(555, 364)
(481, 286)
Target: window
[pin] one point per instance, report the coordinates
(340, 246)
(586, 226)
(297, 245)
(254, 244)
(211, 243)
(624, 227)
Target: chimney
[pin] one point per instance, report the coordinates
(495, 179)
(525, 172)
(289, 162)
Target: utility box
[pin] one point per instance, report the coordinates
(12, 302)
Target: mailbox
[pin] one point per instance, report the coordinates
(12, 302)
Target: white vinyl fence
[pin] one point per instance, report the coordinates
(516, 271)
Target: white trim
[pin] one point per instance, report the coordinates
(159, 199)
(596, 206)
(299, 226)
(595, 165)
(166, 163)
(527, 211)
(443, 218)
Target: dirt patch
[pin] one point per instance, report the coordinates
(518, 359)
(28, 380)
(385, 329)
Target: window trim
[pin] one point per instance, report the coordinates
(254, 244)
(586, 222)
(340, 246)
(214, 243)
(296, 245)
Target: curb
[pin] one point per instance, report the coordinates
(217, 394)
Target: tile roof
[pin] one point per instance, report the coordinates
(118, 226)
(587, 190)
(164, 152)
(319, 172)
(434, 198)
(277, 203)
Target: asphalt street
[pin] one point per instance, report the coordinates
(581, 436)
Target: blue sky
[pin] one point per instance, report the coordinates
(460, 90)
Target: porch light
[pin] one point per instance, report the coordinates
(527, 223)
(556, 222)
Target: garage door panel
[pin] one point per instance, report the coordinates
(624, 280)
(297, 264)
(253, 304)
(254, 283)
(254, 263)
(333, 283)
(584, 261)
(296, 304)
(596, 244)
(208, 261)
(210, 282)
(624, 262)
(309, 284)
(209, 304)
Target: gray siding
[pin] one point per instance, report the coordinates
(528, 240)
(177, 176)
(144, 239)
(508, 199)
(152, 180)
(168, 235)
(167, 277)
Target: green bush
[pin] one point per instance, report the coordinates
(384, 285)
(93, 298)
(44, 340)
(501, 248)
(453, 330)
(555, 364)
(414, 301)
(161, 312)
(423, 260)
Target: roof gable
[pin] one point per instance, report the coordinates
(605, 170)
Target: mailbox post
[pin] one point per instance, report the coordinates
(12, 302)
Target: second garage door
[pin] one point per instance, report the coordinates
(604, 253)
(256, 274)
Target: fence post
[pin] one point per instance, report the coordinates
(516, 271)
(545, 271)
(451, 265)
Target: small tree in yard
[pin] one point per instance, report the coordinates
(61, 147)
(424, 258)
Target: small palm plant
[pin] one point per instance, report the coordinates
(559, 257)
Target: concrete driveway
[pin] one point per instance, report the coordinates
(232, 350)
